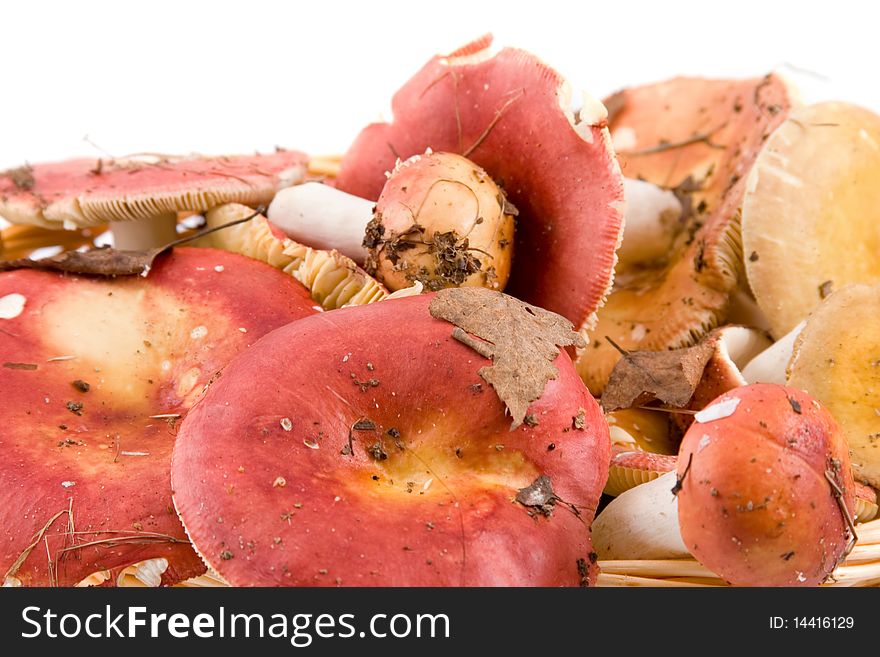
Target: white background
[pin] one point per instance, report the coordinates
(114, 78)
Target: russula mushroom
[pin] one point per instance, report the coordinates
(96, 375)
(332, 279)
(511, 114)
(642, 522)
(380, 452)
(765, 488)
(440, 220)
(811, 210)
(699, 138)
(141, 196)
(837, 360)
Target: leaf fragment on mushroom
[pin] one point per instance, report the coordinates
(521, 340)
(107, 261)
(669, 376)
(539, 495)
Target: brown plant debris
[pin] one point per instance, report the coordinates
(521, 340)
(107, 261)
(538, 495)
(22, 177)
(583, 572)
(20, 366)
(669, 376)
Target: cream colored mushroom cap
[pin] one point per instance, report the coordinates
(811, 214)
(837, 361)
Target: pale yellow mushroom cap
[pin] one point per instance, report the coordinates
(837, 361)
(811, 213)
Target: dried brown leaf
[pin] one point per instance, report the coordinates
(97, 262)
(108, 261)
(670, 376)
(538, 495)
(521, 340)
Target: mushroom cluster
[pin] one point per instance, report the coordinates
(511, 337)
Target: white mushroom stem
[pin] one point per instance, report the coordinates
(771, 365)
(143, 234)
(323, 217)
(641, 523)
(326, 218)
(650, 222)
(740, 345)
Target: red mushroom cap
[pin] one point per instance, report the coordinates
(96, 372)
(376, 455)
(88, 192)
(509, 113)
(757, 504)
(700, 137)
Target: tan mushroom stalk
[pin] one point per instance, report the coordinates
(837, 360)
(144, 232)
(140, 197)
(811, 211)
(743, 310)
